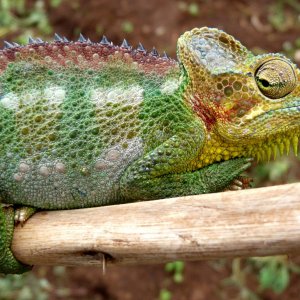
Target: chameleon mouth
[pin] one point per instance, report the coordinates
(267, 134)
(296, 107)
(275, 120)
(283, 141)
(289, 109)
(282, 132)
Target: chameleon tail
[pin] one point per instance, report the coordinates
(8, 263)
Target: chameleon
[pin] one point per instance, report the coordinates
(85, 124)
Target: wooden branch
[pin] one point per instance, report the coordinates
(256, 222)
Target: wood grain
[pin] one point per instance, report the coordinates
(256, 222)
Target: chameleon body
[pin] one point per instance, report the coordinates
(87, 124)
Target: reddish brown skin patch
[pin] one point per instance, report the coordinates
(58, 53)
(208, 112)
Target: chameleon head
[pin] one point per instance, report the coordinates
(243, 99)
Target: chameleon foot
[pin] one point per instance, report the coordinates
(236, 185)
(8, 263)
(22, 214)
(240, 183)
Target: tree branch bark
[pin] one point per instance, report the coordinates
(256, 222)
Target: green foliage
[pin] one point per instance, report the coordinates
(280, 18)
(292, 49)
(193, 9)
(176, 268)
(190, 8)
(127, 27)
(238, 279)
(18, 19)
(30, 286)
(24, 287)
(165, 294)
(55, 3)
(273, 171)
(275, 276)
(274, 272)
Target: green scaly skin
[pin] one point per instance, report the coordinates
(89, 124)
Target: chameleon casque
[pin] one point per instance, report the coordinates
(86, 124)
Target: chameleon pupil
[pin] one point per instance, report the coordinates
(265, 83)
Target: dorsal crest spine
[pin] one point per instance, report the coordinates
(58, 50)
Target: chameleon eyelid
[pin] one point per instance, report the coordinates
(280, 76)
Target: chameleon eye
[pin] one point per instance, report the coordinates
(275, 78)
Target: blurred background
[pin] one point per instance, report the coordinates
(262, 26)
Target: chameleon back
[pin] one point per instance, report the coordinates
(69, 122)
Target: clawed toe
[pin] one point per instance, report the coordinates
(22, 214)
(240, 183)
